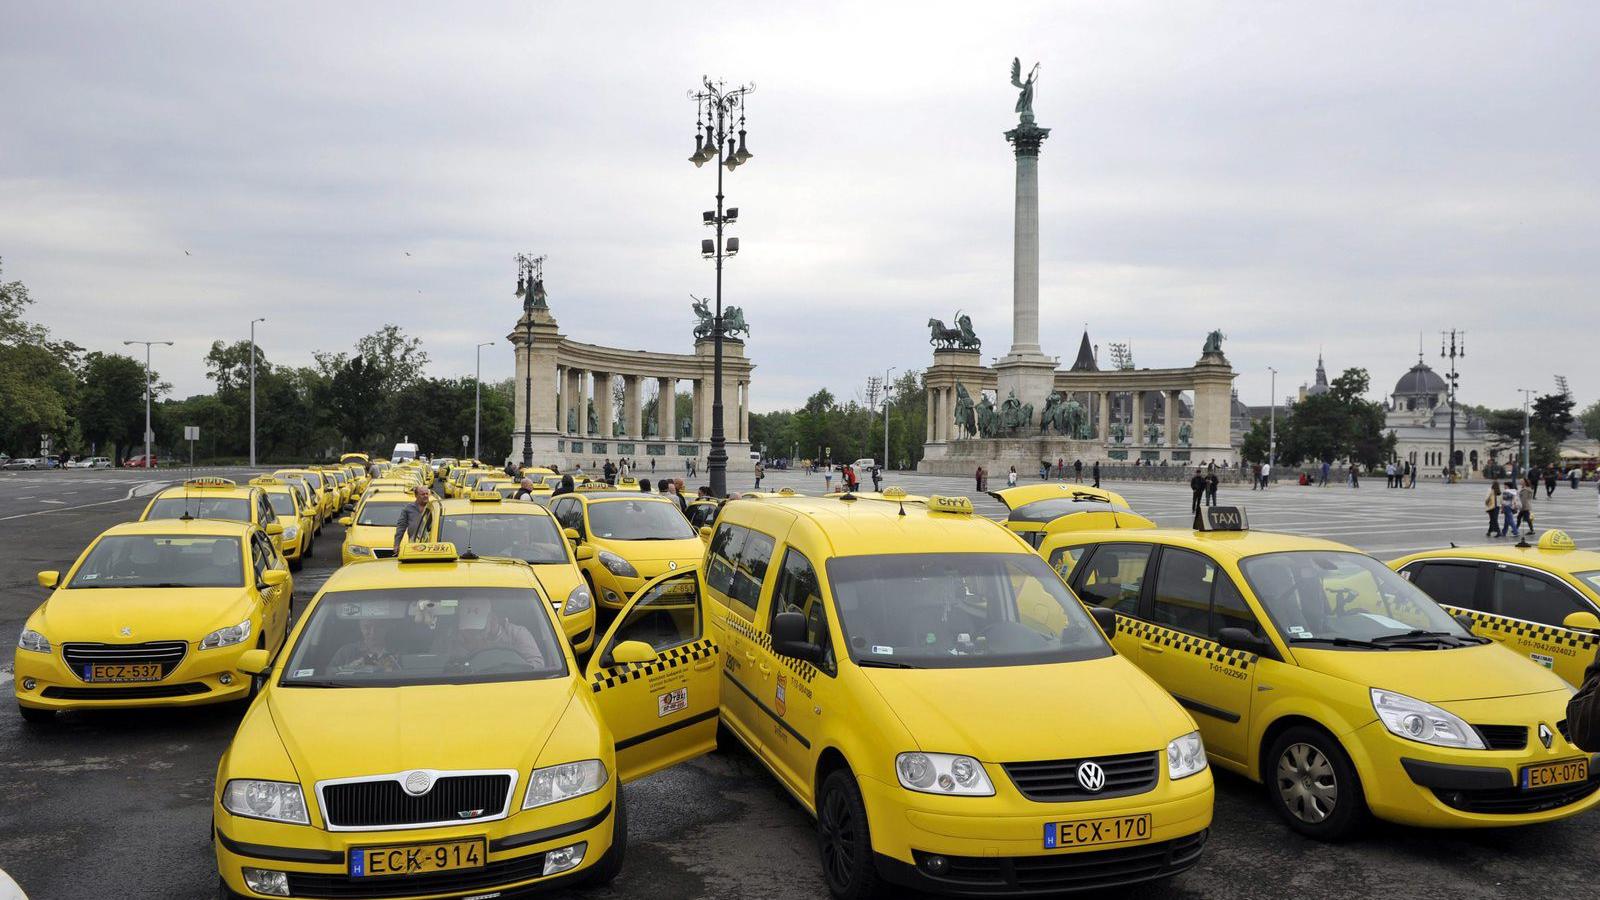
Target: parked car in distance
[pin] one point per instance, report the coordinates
(92, 462)
(141, 462)
(25, 462)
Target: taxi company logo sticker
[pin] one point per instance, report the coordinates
(782, 699)
(417, 783)
(1091, 776)
(671, 702)
(1544, 735)
(1549, 662)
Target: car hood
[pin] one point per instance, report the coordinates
(1019, 713)
(683, 550)
(558, 580)
(348, 732)
(1437, 676)
(370, 535)
(149, 614)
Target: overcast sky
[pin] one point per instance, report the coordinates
(1343, 176)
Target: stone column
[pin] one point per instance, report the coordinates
(701, 417)
(744, 412)
(1169, 427)
(1025, 371)
(1103, 417)
(930, 415)
(561, 399)
(632, 411)
(1137, 426)
(605, 410)
(666, 403)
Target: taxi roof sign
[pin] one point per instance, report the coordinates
(265, 481)
(210, 481)
(1222, 518)
(894, 493)
(485, 496)
(1557, 540)
(960, 506)
(436, 551)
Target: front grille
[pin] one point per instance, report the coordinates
(167, 653)
(1504, 737)
(367, 804)
(147, 692)
(492, 876)
(1054, 781)
(1514, 800)
(1561, 727)
(1088, 870)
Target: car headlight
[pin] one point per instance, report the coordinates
(276, 801)
(616, 565)
(1185, 756)
(942, 773)
(358, 550)
(33, 640)
(577, 601)
(290, 532)
(1424, 723)
(226, 637)
(554, 784)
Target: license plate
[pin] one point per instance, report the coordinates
(1095, 832)
(415, 859)
(1552, 774)
(117, 672)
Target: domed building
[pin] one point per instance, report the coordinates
(1419, 416)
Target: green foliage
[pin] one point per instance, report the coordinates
(110, 409)
(1339, 425)
(1590, 419)
(851, 430)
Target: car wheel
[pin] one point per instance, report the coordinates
(844, 840)
(610, 866)
(35, 716)
(1313, 784)
(297, 562)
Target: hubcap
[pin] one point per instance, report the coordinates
(838, 839)
(1306, 783)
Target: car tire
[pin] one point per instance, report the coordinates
(1313, 784)
(844, 841)
(610, 866)
(35, 716)
(297, 562)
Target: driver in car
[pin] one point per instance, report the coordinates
(479, 629)
(371, 652)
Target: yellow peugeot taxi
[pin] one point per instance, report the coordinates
(633, 537)
(369, 531)
(484, 524)
(1315, 669)
(153, 613)
(211, 497)
(299, 522)
(929, 690)
(1035, 510)
(426, 733)
(1540, 601)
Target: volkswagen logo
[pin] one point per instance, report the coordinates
(417, 783)
(1091, 776)
(1544, 735)
(672, 564)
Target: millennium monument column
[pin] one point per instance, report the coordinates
(1025, 372)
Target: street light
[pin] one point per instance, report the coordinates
(253, 389)
(147, 434)
(1526, 425)
(886, 389)
(1272, 420)
(715, 109)
(1457, 348)
(530, 287)
(477, 400)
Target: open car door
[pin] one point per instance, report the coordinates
(655, 679)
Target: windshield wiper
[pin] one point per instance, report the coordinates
(1419, 636)
(316, 683)
(1338, 642)
(883, 664)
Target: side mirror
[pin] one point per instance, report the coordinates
(274, 529)
(789, 638)
(583, 552)
(49, 578)
(274, 577)
(1578, 621)
(347, 521)
(254, 661)
(1106, 618)
(1244, 641)
(571, 534)
(705, 535)
(1465, 620)
(631, 652)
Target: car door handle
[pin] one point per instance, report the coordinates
(706, 663)
(749, 656)
(1152, 648)
(765, 669)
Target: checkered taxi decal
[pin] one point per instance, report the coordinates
(1560, 637)
(670, 659)
(1187, 643)
(806, 671)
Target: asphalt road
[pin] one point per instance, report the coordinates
(118, 804)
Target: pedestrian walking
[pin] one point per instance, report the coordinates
(409, 525)
(1355, 476)
(1491, 505)
(1096, 471)
(1266, 475)
(1572, 475)
(1044, 470)
(1061, 469)
(1411, 480)
(877, 479)
(977, 479)
(1326, 466)
(1526, 494)
(1508, 510)
(1011, 477)
(827, 478)
(852, 481)
(1077, 471)
(761, 471)
(1197, 486)
(1549, 480)
(1255, 476)
(1211, 488)
(1388, 473)
(652, 465)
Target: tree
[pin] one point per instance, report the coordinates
(1590, 419)
(110, 402)
(1338, 425)
(15, 330)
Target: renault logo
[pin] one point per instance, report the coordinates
(1091, 776)
(1544, 735)
(672, 564)
(417, 783)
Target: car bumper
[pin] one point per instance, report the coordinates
(46, 682)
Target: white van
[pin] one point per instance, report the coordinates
(403, 451)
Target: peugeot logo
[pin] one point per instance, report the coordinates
(1091, 776)
(1544, 735)
(417, 783)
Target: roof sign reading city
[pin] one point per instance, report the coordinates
(960, 506)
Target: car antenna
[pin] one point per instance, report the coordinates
(469, 554)
(902, 507)
(1452, 545)
(1522, 542)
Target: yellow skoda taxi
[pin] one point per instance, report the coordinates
(1315, 669)
(484, 524)
(369, 531)
(217, 498)
(299, 521)
(1539, 601)
(153, 613)
(633, 537)
(931, 692)
(427, 733)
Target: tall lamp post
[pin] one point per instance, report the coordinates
(147, 435)
(530, 287)
(253, 389)
(886, 390)
(1272, 421)
(477, 400)
(716, 107)
(1452, 345)
(1527, 424)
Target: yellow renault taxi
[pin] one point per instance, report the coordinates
(427, 733)
(633, 536)
(931, 692)
(1035, 510)
(1315, 669)
(217, 498)
(1539, 601)
(485, 524)
(369, 529)
(153, 613)
(299, 521)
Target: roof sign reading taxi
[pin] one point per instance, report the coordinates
(1222, 518)
(210, 481)
(960, 506)
(891, 493)
(436, 551)
(484, 496)
(1557, 540)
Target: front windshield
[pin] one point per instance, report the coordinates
(1346, 599)
(198, 506)
(960, 610)
(282, 503)
(532, 538)
(312, 478)
(432, 635)
(1592, 579)
(381, 512)
(158, 560)
(638, 520)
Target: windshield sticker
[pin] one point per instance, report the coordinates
(882, 650)
(304, 673)
(90, 576)
(1298, 631)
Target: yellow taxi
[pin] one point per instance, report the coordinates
(427, 733)
(327, 497)
(356, 458)
(633, 537)
(1035, 510)
(369, 531)
(1539, 601)
(485, 524)
(217, 498)
(1315, 669)
(153, 613)
(929, 690)
(298, 519)
(310, 497)
(459, 487)
(339, 482)
(702, 512)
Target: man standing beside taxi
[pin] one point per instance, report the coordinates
(410, 524)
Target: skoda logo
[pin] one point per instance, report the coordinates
(417, 783)
(1091, 776)
(672, 564)
(1544, 735)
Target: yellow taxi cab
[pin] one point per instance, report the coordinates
(211, 497)
(633, 537)
(327, 498)
(339, 482)
(1540, 601)
(369, 531)
(310, 497)
(484, 524)
(356, 458)
(299, 521)
(153, 613)
(470, 478)
(929, 690)
(1318, 671)
(702, 512)
(470, 755)
(1034, 510)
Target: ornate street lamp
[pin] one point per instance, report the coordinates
(530, 287)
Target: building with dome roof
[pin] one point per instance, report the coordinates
(1418, 414)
